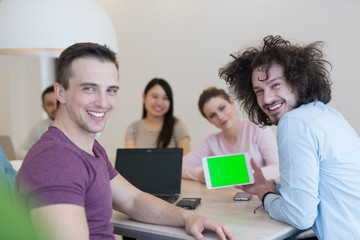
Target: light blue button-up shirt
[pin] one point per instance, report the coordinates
(319, 173)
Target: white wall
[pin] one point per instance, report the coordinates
(187, 41)
(20, 98)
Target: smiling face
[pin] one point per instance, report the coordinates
(220, 112)
(274, 95)
(90, 97)
(156, 102)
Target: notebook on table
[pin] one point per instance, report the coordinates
(153, 170)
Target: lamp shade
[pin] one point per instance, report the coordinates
(46, 27)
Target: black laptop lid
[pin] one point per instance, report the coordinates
(152, 170)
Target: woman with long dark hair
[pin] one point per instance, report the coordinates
(158, 127)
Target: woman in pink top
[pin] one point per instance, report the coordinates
(236, 136)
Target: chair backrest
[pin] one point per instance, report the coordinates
(6, 144)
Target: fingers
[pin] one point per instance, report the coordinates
(204, 223)
(229, 234)
(196, 226)
(202, 177)
(198, 236)
(224, 232)
(254, 165)
(221, 230)
(242, 187)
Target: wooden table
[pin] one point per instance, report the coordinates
(218, 204)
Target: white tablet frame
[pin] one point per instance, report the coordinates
(208, 177)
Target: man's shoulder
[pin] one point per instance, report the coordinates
(307, 111)
(53, 142)
(314, 115)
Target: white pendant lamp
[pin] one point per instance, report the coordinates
(46, 27)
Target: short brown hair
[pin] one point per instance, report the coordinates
(78, 50)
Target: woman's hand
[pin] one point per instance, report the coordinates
(202, 177)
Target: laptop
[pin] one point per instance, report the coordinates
(7, 146)
(153, 170)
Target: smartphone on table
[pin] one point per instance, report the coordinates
(242, 196)
(189, 203)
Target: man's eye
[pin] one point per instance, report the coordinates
(113, 91)
(212, 115)
(258, 92)
(89, 89)
(222, 108)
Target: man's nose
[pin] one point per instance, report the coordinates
(268, 96)
(101, 100)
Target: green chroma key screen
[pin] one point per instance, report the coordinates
(228, 170)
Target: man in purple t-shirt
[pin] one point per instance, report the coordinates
(66, 179)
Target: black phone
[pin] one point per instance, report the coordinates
(242, 196)
(189, 203)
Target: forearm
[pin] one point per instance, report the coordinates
(142, 206)
(192, 173)
(147, 208)
(269, 186)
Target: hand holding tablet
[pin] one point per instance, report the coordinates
(227, 170)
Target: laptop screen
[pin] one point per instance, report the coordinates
(152, 170)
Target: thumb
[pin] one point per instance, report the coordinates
(254, 166)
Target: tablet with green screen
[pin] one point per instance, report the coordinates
(227, 170)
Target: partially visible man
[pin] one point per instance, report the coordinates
(67, 180)
(288, 85)
(14, 223)
(48, 99)
(7, 177)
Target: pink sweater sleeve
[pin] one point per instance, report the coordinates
(269, 151)
(192, 162)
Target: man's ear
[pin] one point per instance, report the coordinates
(59, 91)
(232, 101)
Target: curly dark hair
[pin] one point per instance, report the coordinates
(304, 69)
